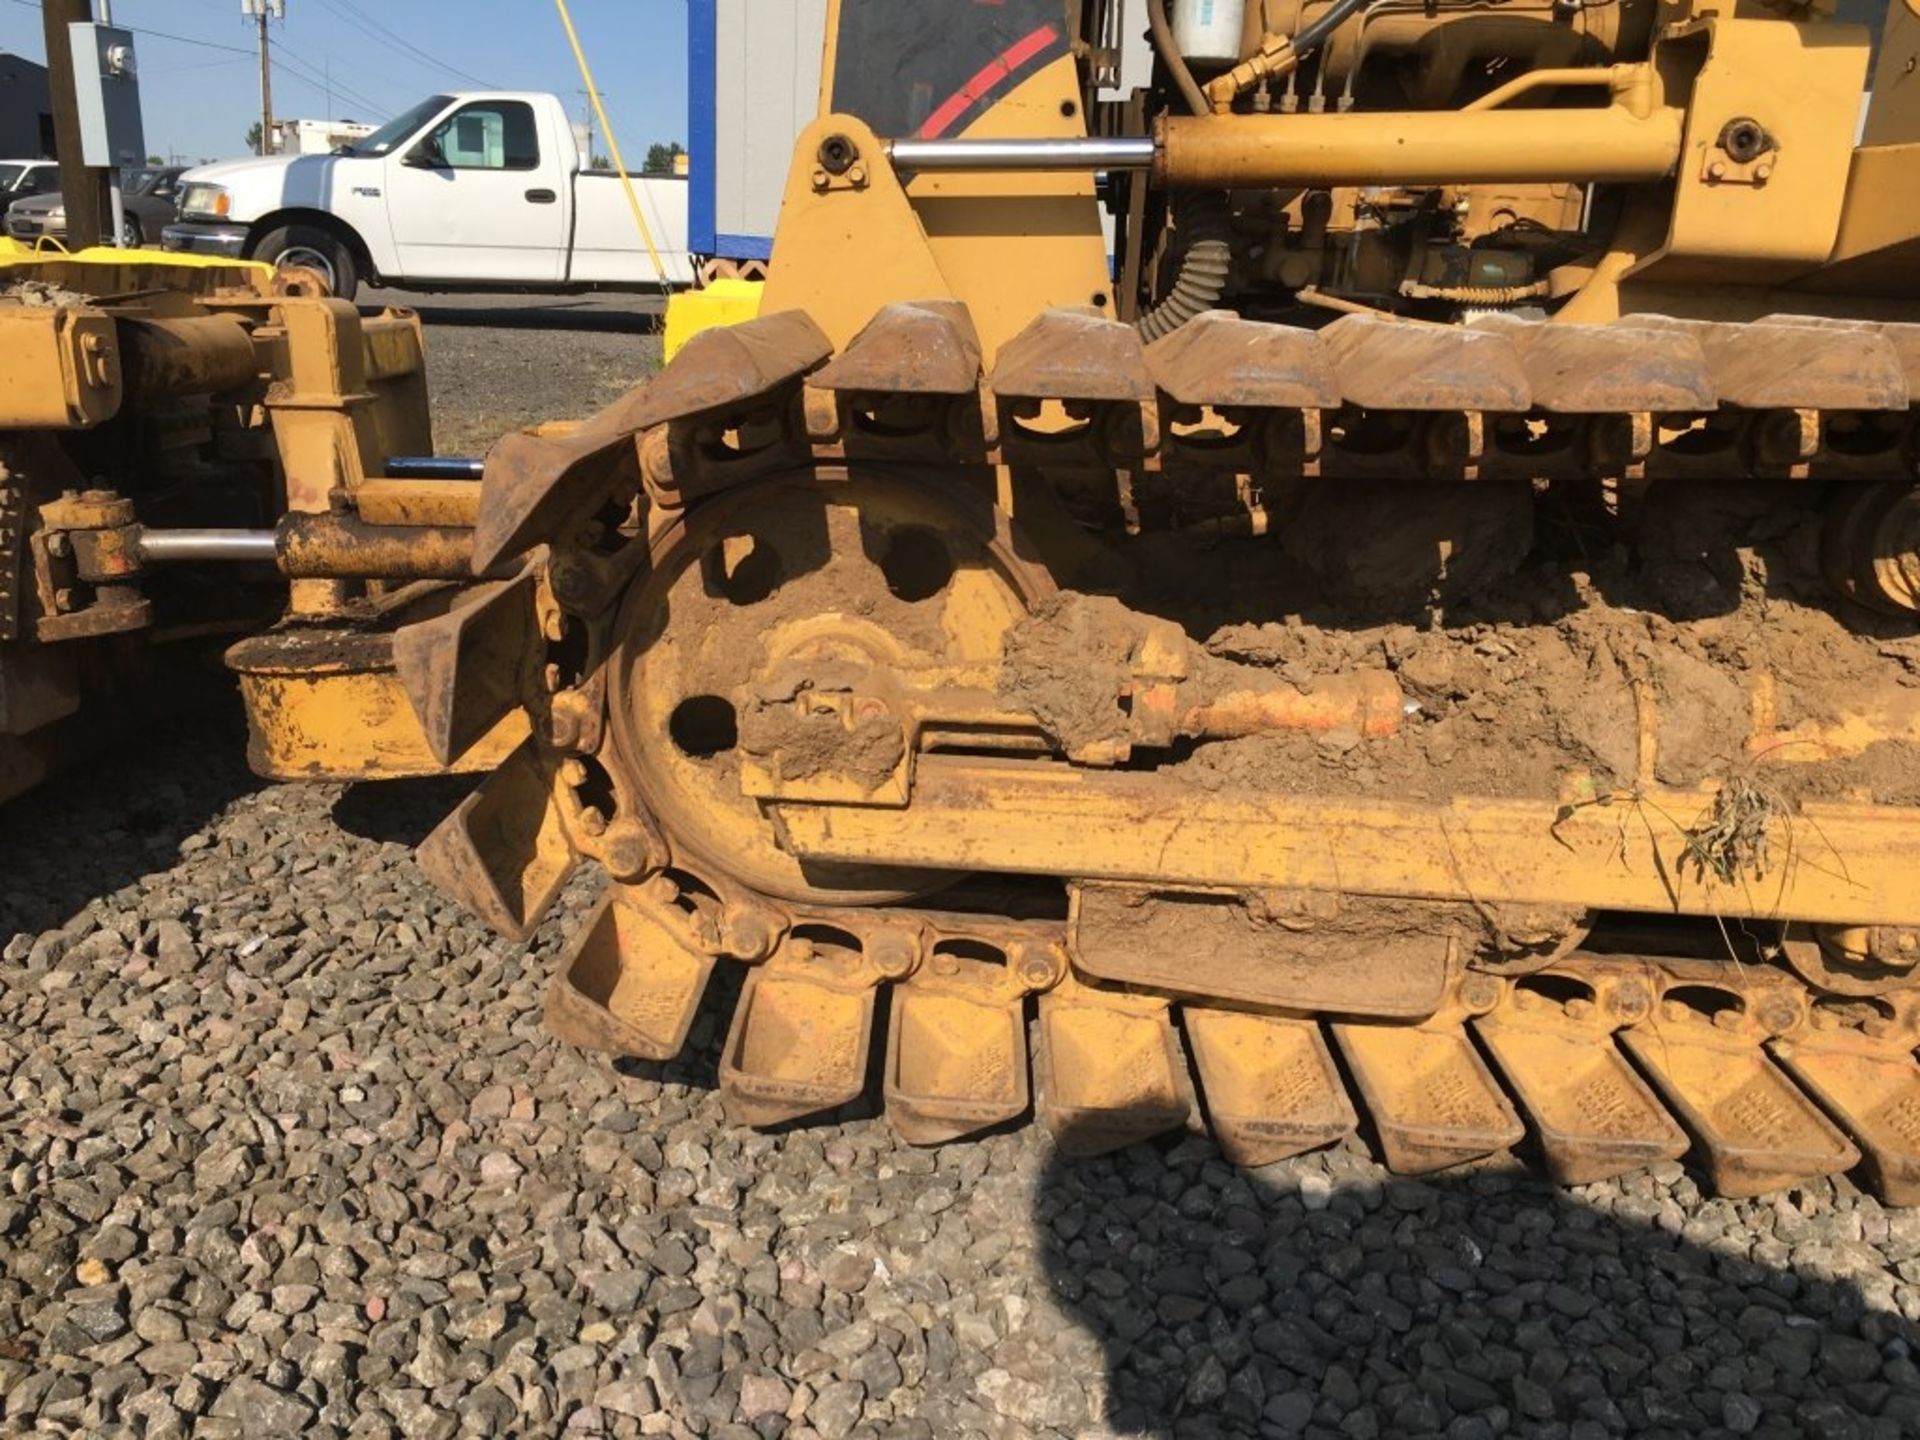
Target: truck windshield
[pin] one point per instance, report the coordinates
(399, 128)
(10, 176)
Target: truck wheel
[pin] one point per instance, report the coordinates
(314, 249)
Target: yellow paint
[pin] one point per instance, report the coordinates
(720, 302)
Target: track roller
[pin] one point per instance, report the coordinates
(1269, 1083)
(1109, 1069)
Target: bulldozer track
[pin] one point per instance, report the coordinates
(1595, 1065)
(1457, 1014)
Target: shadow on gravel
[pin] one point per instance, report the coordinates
(575, 314)
(1278, 1303)
(118, 814)
(401, 811)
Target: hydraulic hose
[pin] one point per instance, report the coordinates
(1170, 55)
(1311, 36)
(1203, 224)
(1279, 55)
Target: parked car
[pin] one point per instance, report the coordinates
(466, 191)
(148, 199)
(22, 178)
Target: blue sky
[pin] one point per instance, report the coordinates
(199, 100)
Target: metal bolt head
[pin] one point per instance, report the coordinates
(1630, 1002)
(1037, 966)
(628, 852)
(750, 935)
(1778, 1014)
(893, 953)
(1479, 993)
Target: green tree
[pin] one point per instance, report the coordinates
(660, 157)
(253, 137)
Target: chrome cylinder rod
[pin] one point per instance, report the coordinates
(159, 547)
(433, 467)
(1124, 153)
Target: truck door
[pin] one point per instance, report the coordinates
(482, 196)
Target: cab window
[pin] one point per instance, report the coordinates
(488, 135)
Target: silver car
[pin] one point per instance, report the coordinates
(148, 198)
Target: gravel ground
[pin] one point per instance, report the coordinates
(286, 1151)
(498, 362)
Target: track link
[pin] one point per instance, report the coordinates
(1594, 1063)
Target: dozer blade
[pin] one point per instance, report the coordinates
(535, 484)
(1073, 355)
(1220, 360)
(1769, 365)
(956, 1063)
(627, 985)
(503, 852)
(463, 671)
(1595, 1117)
(1108, 1069)
(1874, 1091)
(1756, 1131)
(1607, 369)
(1383, 365)
(1431, 1096)
(796, 1047)
(928, 347)
(1269, 1083)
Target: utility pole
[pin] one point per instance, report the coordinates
(260, 10)
(83, 191)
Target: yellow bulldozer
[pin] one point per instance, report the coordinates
(184, 446)
(1371, 580)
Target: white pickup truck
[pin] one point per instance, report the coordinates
(466, 191)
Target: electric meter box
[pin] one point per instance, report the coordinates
(106, 92)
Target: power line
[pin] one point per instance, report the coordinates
(156, 34)
(367, 25)
(302, 69)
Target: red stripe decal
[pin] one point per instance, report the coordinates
(976, 89)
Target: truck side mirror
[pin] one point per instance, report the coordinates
(425, 156)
